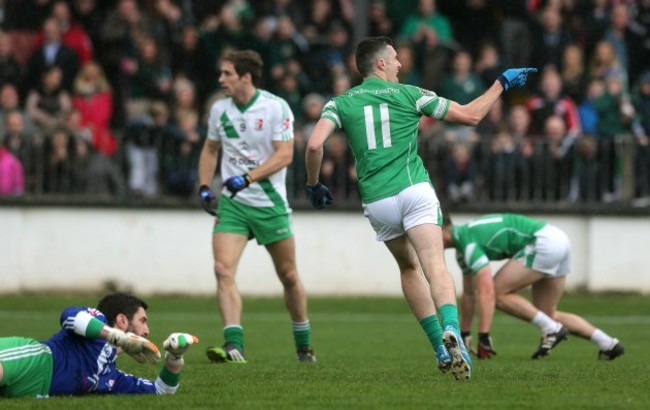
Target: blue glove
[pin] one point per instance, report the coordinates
(237, 183)
(319, 195)
(515, 77)
(206, 196)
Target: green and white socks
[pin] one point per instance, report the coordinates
(302, 334)
(234, 334)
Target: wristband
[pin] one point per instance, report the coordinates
(175, 360)
(169, 378)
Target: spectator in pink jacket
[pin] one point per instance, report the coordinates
(12, 179)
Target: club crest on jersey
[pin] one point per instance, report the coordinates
(259, 124)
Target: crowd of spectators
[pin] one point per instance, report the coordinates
(110, 97)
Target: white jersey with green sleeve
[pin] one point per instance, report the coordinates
(493, 237)
(246, 134)
(381, 122)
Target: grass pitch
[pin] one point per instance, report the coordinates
(371, 353)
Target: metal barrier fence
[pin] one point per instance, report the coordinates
(598, 175)
(607, 175)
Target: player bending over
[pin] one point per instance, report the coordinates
(540, 255)
(80, 358)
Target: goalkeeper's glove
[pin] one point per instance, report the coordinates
(206, 197)
(319, 195)
(176, 345)
(237, 183)
(485, 348)
(467, 339)
(139, 348)
(515, 77)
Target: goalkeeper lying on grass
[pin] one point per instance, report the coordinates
(80, 358)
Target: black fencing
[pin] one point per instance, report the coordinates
(606, 175)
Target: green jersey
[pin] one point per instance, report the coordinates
(493, 237)
(381, 121)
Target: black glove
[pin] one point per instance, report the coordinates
(206, 196)
(237, 183)
(485, 349)
(319, 195)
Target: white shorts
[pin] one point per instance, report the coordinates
(393, 216)
(551, 252)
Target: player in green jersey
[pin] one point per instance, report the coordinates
(380, 118)
(539, 255)
(254, 129)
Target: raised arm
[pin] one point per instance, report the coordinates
(474, 111)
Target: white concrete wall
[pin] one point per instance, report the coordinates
(169, 252)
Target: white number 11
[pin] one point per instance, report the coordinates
(370, 126)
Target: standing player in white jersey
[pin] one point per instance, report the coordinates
(381, 119)
(540, 257)
(254, 128)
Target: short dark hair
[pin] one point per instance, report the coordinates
(246, 61)
(114, 304)
(368, 50)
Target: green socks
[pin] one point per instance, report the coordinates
(302, 334)
(234, 334)
(449, 315)
(433, 330)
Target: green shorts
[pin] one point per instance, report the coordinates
(266, 224)
(27, 367)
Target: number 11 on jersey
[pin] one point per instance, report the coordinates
(370, 126)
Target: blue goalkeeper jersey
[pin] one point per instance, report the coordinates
(84, 365)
